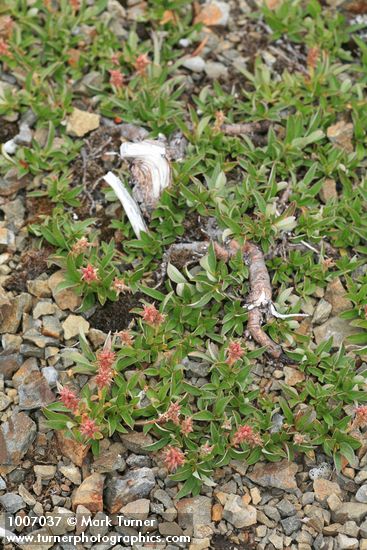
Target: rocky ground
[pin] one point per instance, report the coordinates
(304, 504)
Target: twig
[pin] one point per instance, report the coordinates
(248, 128)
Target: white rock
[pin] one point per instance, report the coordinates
(195, 64)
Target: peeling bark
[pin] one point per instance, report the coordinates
(150, 171)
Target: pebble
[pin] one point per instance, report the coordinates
(111, 460)
(12, 314)
(195, 64)
(51, 375)
(134, 485)
(280, 475)
(213, 14)
(74, 325)
(36, 394)
(194, 511)
(335, 294)
(72, 473)
(336, 328)
(323, 488)
(136, 442)
(4, 401)
(215, 70)
(361, 494)
(12, 502)
(45, 472)
(292, 377)
(344, 542)
(137, 509)
(43, 308)
(291, 524)
(239, 514)
(322, 312)
(80, 123)
(16, 436)
(354, 511)
(65, 299)
(90, 494)
(2, 484)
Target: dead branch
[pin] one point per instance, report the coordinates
(259, 297)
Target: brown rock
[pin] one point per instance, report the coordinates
(65, 299)
(26, 372)
(35, 394)
(280, 475)
(340, 134)
(9, 364)
(74, 325)
(72, 449)
(336, 295)
(90, 494)
(323, 488)
(80, 123)
(16, 436)
(11, 183)
(11, 316)
(350, 511)
(328, 190)
(39, 288)
(213, 14)
(217, 512)
(293, 376)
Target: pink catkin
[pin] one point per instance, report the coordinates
(69, 399)
(4, 48)
(141, 64)
(116, 79)
(234, 352)
(173, 458)
(186, 426)
(173, 413)
(89, 274)
(152, 316)
(245, 434)
(88, 428)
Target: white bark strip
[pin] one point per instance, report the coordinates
(150, 170)
(129, 205)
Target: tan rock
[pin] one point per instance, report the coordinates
(74, 325)
(39, 288)
(80, 123)
(293, 376)
(336, 295)
(11, 315)
(16, 436)
(90, 494)
(323, 488)
(138, 509)
(71, 448)
(217, 512)
(338, 329)
(328, 190)
(255, 495)
(213, 14)
(65, 299)
(280, 475)
(340, 134)
(199, 544)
